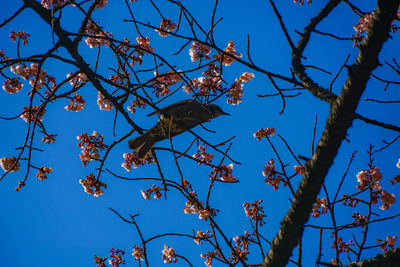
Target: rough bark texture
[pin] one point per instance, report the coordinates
(340, 119)
(389, 259)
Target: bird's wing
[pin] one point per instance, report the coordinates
(167, 109)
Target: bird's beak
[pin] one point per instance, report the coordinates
(224, 113)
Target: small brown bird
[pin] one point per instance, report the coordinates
(174, 119)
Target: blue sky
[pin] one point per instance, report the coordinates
(54, 223)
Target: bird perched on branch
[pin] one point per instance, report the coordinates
(173, 120)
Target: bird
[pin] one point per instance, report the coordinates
(174, 119)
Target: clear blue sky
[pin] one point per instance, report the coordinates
(54, 223)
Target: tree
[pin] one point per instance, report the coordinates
(132, 56)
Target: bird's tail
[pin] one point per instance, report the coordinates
(142, 144)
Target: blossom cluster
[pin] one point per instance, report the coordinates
(21, 35)
(227, 60)
(341, 245)
(211, 82)
(387, 244)
(320, 207)
(387, 199)
(116, 257)
(104, 103)
(90, 144)
(235, 93)
(49, 138)
(37, 78)
(299, 169)
(100, 262)
(364, 23)
(194, 206)
(239, 254)
(77, 103)
(224, 172)
(138, 252)
(31, 114)
(120, 79)
(209, 256)
(371, 179)
(12, 85)
(272, 178)
(241, 247)
(91, 182)
(166, 26)
(199, 50)
(264, 133)
(98, 36)
(142, 48)
(154, 189)
(9, 164)
(255, 211)
(203, 86)
(163, 81)
(246, 77)
(362, 27)
(168, 255)
(77, 80)
(42, 172)
(131, 160)
(136, 104)
(359, 220)
(200, 236)
(202, 156)
(243, 240)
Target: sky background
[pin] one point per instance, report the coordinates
(55, 223)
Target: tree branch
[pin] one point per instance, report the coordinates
(340, 119)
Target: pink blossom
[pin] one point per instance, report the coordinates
(42, 173)
(202, 156)
(21, 35)
(166, 26)
(235, 93)
(230, 49)
(104, 103)
(387, 199)
(246, 77)
(198, 50)
(12, 85)
(78, 80)
(91, 182)
(299, 169)
(30, 113)
(9, 164)
(77, 103)
(168, 255)
(138, 252)
(264, 133)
